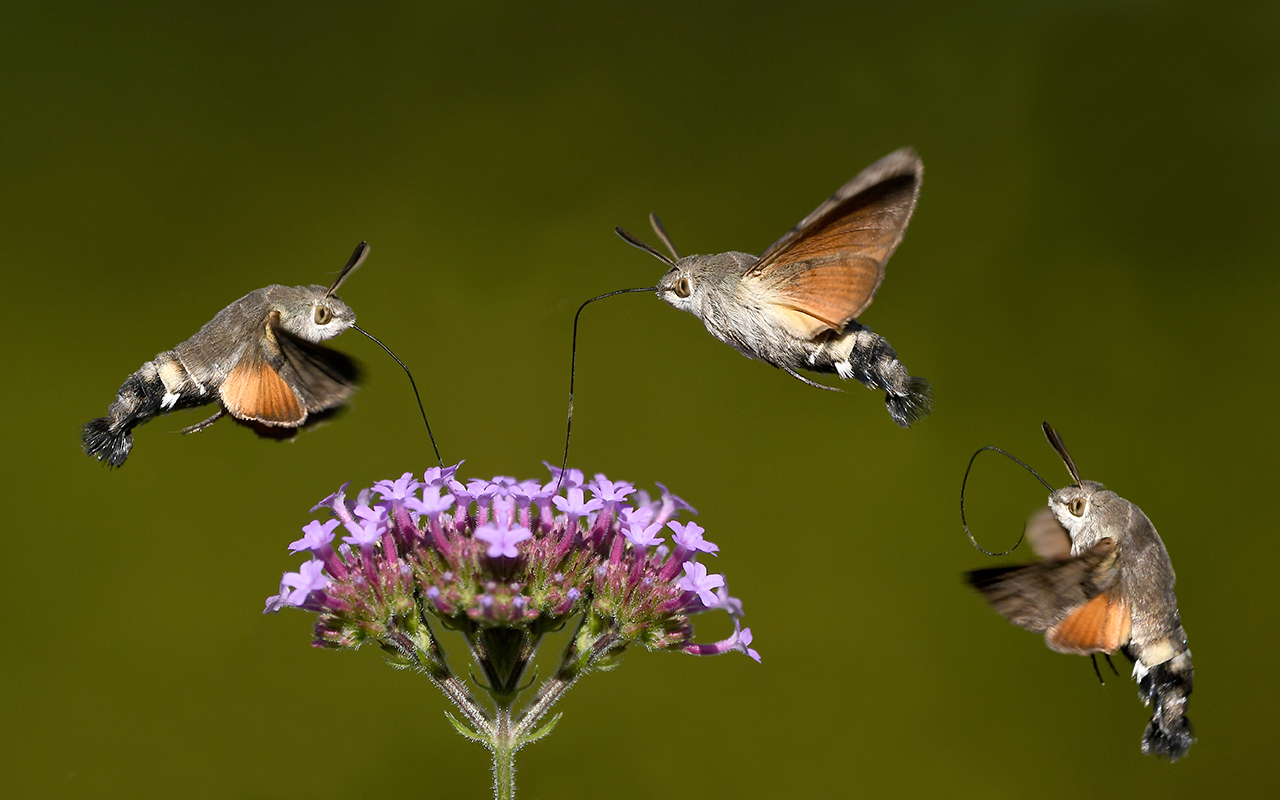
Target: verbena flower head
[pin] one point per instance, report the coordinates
(505, 554)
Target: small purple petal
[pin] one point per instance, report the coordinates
(575, 505)
(502, 541)
(642, 536)
(744, 640)
(317, 537)
(397, 489)
(572, 477)
(376, 513)
(364, 535)
(439, 476)
(690, 536)
(697, 580)
(432, 504)
(308, 579)
(610, 492)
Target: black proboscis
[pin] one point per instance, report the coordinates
(573, 364)
(963, 483)
(411, 383)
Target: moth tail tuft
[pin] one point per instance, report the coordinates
(1171, 744)
(1166, 687)
(914, 405)
(106, 443)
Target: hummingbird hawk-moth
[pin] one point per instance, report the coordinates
(259, 358)
(1105, 583)
(795, 306)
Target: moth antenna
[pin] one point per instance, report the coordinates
(1056, 442)
(1107, 656)
(1093, 658)
(966, 481)
(406, 372)
(573, 361)
(662, 234)
(353, 264)
(634, 242)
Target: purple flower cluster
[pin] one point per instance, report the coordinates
(502, 553)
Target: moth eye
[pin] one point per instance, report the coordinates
(682, 287)
(1076, 507)
(323, 315)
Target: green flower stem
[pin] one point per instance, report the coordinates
(503, 745)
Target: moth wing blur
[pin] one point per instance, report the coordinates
(1101, 625)
(1039, 596)
(254, 390)
(323, 378)
(829, 266)
(1047, 537)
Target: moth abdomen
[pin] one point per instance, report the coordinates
(139, 399)
(865, 356)
(1166, 687)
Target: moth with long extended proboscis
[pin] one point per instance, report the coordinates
(259, 358)
(1105, 583)
(795, 306)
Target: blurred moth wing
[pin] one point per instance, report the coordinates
(1047, 537)
(285, 379)
(1039, 596)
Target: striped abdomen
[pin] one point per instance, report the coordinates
(158, 386)
(864, 355)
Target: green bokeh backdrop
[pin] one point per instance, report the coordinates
(1095, 245)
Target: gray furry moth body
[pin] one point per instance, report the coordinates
(795, 306)
(259, 358)
(1105, 584)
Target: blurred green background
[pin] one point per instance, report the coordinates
(1095, 245)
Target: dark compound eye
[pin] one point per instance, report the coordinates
(682, 287)
(323, 315)
(1076, 507)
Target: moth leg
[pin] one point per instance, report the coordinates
(1107, 656)
(1093, 659)
(814, 384)
(199, 426)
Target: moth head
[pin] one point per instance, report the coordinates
(1079, 505)
(682, 285)
(316, 315)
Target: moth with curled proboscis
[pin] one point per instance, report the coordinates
(1104, 584)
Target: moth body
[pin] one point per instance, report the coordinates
(750, 316)
(259, 358)
(795, 306)
(1106, 583)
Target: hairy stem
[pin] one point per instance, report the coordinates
(503, 745)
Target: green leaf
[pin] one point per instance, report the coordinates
(540, 732)
(466, 730)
